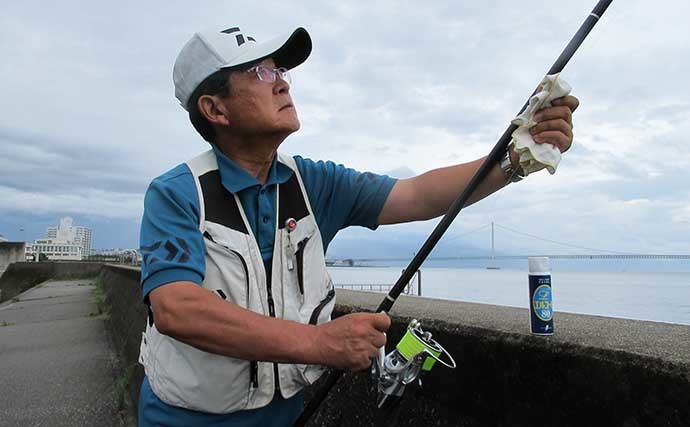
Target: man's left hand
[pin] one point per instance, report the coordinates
(555, 123)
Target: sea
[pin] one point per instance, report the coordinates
(660, 296)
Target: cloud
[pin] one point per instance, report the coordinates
(83, 202)
(90, 118)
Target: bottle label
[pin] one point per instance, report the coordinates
(541, 304)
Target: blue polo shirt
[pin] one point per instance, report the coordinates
(173, 249)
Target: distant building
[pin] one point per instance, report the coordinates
(54, 250)
(62, 243)
(83, 238)
(124, 256)
(67, 232)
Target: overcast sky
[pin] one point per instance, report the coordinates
(88, 116)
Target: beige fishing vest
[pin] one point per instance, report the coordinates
(301, 290)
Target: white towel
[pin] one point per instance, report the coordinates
(533, 156)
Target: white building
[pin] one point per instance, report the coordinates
(64, 242)
(55, 250)
(67, 232)
(82, 236)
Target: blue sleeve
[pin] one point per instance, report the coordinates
(171, 244)
(341, 197)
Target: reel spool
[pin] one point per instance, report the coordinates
(416, 352)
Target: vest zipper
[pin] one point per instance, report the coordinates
(299, 255)
(319, 308)
(272, 313)
(253, 365)
(269, 295)
(254, 374)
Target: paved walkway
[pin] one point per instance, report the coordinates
(56, 367)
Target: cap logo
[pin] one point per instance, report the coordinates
(239, 37)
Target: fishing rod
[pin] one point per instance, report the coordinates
(492, 159)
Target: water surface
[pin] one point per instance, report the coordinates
(657, 296)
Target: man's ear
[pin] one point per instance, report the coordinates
(211, 107)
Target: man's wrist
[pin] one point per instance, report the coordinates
(510, 165)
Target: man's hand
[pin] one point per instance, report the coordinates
(351, 341)
(555, 124)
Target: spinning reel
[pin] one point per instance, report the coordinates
(416, 352)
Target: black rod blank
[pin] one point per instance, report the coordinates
(492, 159)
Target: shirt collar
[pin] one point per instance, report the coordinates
(236, 179)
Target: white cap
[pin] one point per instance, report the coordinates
(539, 264)
(209, 51)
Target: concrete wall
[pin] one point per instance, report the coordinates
(126, 322)
(21, 276)
(11, 252)
(593, 371)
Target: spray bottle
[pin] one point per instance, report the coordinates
(540, 296)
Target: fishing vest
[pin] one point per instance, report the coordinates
(300, 289)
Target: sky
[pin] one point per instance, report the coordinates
(88, 116)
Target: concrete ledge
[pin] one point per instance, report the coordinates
(593, 371)
(21, 276)
(126, 322)
(11, 252)
(667, 341)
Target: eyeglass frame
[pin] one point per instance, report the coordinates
(281, 72)
(223, 86)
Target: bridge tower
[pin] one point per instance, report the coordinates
(492, 263)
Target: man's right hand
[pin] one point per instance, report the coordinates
(351, 341)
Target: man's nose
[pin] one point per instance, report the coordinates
(281, 86)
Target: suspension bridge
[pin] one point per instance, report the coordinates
(590, 254)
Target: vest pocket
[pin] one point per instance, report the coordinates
(297, 250)
(193, 379)
(225, 270)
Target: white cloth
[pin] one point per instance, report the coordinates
(533, 156)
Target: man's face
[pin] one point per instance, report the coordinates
(258, 107)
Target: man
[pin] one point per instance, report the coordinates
(233, 242)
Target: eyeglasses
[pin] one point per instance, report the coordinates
(268, 75)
